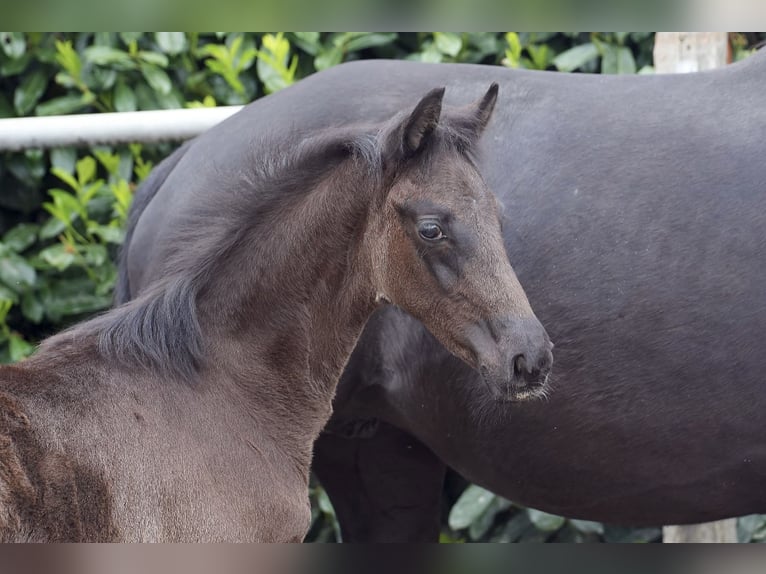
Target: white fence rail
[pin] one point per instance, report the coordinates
(92, 129)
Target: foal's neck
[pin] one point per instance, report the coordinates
(295, 299)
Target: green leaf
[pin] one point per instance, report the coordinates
(6, 303)
(73, 297)
(13, 44)
(28, 168)
(323, 501)
(326, 59)
(109, 233)
(371, 40)
(29, 91)
(575, 57)
(540, 56)
(217, 51)
(66, 206)
(95, 255)
(124, 166)
(60, 304)
(156, 78)
(106, 56)
(617, 60)
(66, 80)
(308, 42)
(86, 170)
(173, 100)
(626, 62)
(429, 54)
(272, 66)
(123, 196)
(31, 307)
(514, 45)
(110, 161)
(16, 273)
(469, 507)
(160, 60)
(63, 159)
(481, 526)
(587, 526)
(64, 105)
(19, 348)
(544, 521)
(7, 299)
(14, 67)
(58, 256)
(448, 43)
(749, 526)
(89, 192)
(67, 58)
(171, 42)
(52, 228)
(21, 236)
(66, 177)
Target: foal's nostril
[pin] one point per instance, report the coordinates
(529, 374)
(519, 366)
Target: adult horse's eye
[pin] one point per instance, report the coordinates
(430, 231)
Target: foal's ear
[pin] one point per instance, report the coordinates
(475, 117)
(412, 134)
(422, 121)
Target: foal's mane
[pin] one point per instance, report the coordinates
(160, 330)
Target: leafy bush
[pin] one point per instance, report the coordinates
(62, 212)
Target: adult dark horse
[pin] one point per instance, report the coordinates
(190, 412)
(634, 219)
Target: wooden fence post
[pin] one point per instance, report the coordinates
(720, 531)
(682, 52)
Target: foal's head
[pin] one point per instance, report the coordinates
(438, 252)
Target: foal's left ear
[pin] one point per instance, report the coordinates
(475, 117)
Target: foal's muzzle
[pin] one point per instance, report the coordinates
(515, 359)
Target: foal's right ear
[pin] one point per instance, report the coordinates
(412, 135)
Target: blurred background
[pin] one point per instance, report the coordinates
(62, 211)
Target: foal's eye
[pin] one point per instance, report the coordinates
(430, 230)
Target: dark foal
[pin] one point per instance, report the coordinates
(189, 413)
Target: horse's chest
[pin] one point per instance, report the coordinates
(204, 502)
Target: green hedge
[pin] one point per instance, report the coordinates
(62, 212)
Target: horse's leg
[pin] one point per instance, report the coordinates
(385, 488)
